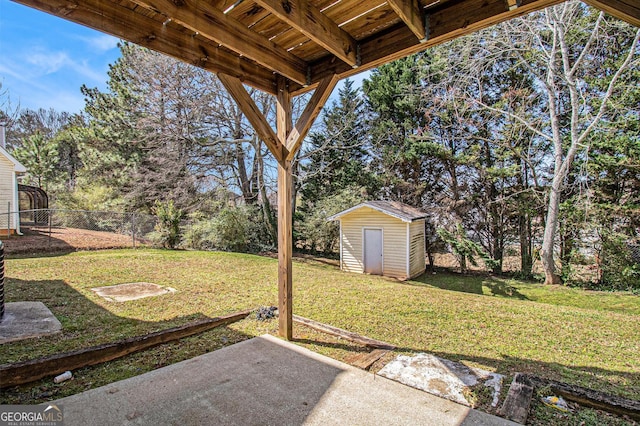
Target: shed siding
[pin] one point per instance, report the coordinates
(7, 188)
(417, 248)
(394, 236)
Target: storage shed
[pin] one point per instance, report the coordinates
(382, 238)
(10, 168)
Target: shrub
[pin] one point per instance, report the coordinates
(167, 230)
(619, 269)
(314, 232)
(238, 229)
(464, 248)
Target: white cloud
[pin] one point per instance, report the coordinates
(6, 69)
(102, 42)
(48, 62)
(85, 70)
(48, 79)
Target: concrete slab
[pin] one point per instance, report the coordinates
(264, 381)
(441, 377)
(25, 320)
(131, 291)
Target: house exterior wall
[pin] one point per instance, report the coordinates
(417, 256)
(394, 241)
(7, 191)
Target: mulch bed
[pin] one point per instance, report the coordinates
(37, 240)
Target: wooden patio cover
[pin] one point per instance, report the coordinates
(289, 47)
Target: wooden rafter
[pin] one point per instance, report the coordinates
(453, 20)
(409, 12)
(627, 10)
(512, 4)
(309, 115)
(256, 41)
(137, 29)
(288, 47)
(307, 19)
(254, 115)
(207, 21)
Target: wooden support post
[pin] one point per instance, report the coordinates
(284, 144)
(285, 216)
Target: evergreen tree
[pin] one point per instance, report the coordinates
(336, 157)
(336, 169)
(40, 156)
(393, 95)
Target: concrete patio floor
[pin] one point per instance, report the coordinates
(264, 381)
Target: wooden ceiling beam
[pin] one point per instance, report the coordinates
(452, 20)
(254, 115)
(204, 19)
(309, 115)
(410, 13)
(627, 10)
(112, 19)
(308, 19)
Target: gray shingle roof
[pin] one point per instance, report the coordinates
(401, 211)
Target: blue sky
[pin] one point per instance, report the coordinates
(44, 59)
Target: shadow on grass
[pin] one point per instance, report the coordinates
(589, 377)
(468, 284)
(86, 324)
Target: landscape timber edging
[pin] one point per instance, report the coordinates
(29, 371)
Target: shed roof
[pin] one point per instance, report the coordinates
(399, 210)
(19, 168)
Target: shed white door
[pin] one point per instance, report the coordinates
(373, 251)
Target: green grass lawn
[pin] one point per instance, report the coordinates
(586, 338)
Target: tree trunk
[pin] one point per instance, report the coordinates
(524, 224)
(269, 218)
(526, 260)
(546, 253)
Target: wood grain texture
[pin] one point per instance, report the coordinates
(254, 115)
(29, 371)
(588, 397)
(285, 217)
(271, 37)
(307, 19)
(453, 20)
(347, 335)
(518, 400)
(309, 115)
(150, 33)
(409, 12)
(209, 22)
(367, 359)
(627, 10)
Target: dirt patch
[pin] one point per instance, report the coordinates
(37, 240)
(131, 291)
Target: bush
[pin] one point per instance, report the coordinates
(464, 248)
(232, 229)
(619, 269)
(167, 230)
(313, 231)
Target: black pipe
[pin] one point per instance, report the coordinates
(1, 280)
